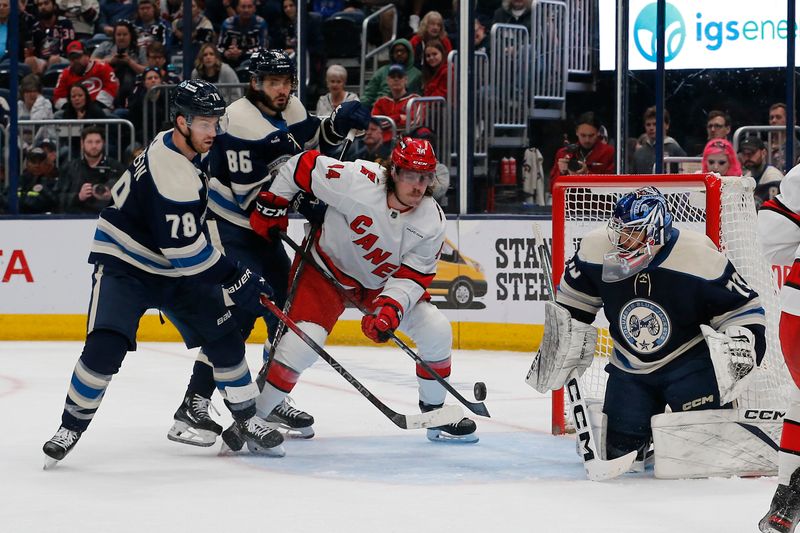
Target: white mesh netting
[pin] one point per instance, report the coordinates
(585, 208)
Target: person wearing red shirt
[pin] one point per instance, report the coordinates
(589, 156)
(430, 27)
(394, 105)
(434, 70)
(98, 77)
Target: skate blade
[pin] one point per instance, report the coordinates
(49, 463)
(185, 434)
(293, 433)
(435, 435)
(275, 451)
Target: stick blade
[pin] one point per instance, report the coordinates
(449, 414)
(601, 470)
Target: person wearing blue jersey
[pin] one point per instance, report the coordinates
(663, 292)
(267, 126)
(151, 249)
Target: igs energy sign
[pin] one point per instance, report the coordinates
(699, 34)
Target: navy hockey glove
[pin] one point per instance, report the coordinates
(380, 326)
(311, 207)
(349, 116)
(270, 215)
(246, 288)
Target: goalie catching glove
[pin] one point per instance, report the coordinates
(567, 344)
(379, 326)
(733, 355)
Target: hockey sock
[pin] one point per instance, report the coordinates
(431, 391)
(789, 451)
(202, 380)
(101, 358)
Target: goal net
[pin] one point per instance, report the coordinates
(720, 207)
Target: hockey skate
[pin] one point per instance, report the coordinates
(784, 510)
(193, 425)
(59, 446)
(297, 423)
(260, 438)
(462, 432)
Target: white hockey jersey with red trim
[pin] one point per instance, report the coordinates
(364, 242)
(779, 234)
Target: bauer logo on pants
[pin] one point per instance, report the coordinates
(644, 325)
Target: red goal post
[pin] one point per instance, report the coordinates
(723, 208)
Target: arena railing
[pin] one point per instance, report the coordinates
(482, 119)
(154, 99)
(66, 134)
(580, 29)
(510, 86)
(387, 123)
(747, 131)
(430, 112)
(373, 54)
(550, 58)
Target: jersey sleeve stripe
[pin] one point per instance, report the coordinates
(570, 297)
(103, 241)
(204, 256)
(421, 279)
(305, 166)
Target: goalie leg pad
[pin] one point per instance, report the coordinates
(567, 344)
(716, 443)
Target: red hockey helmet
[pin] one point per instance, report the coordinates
(414, 154)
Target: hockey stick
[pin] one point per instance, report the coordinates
(479, 408)
(438, 417)
(597, 468)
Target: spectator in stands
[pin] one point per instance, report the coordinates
(98, 76)
(434, 70)
(718, 125)
(50, 37)
(394, 105)
(242, 34)
(335, 79)
(589, 156)
(371, 147)
(154, 103)
(113, 11)
(82, 14)
(283, 36)
(38, 184)
(86, 182)
(753, 156)
(125, 58)
(26, 23)
(777, 140)
(79, 106)
(483, 42)
(32, 106)
(514, 12)
(202, 29)
(157, 57)
(149, 27)
(209, 66)
(644, 158)
(326, 8)
(431, 27)
(400, 53)
(719, 157)
(172, 9)
(5, 11)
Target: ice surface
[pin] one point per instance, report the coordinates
(359, 474)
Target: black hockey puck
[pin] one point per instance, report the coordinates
(480, 391)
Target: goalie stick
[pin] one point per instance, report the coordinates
(597, 468)
(479, 408)
(438, 417)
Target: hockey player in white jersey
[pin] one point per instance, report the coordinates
(267, 126)
(779, 231)
(663, 291)
(381, 238)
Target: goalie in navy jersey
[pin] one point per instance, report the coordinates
(151, 250)
(664, 292)
(267, 126)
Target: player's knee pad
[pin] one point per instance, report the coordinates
(104, 351)
(293, 352)
(430, 330)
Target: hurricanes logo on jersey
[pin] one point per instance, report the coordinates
(644, 325)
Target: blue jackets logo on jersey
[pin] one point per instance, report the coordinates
(644, 325)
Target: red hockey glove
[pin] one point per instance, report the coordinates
(270, 215)
(379, 327)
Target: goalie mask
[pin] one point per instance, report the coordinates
(640, 223)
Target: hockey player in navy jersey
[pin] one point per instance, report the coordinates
(663, 291)
(267, 126)
(151, 250)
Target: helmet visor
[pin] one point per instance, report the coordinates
(409, 176)
(206, 125)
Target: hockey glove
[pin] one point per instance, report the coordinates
(270, 215)
(380, 326)
(349, 116)
(733, 355)
(310, 207)
(246, 288)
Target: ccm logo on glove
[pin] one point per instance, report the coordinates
(269, 215)
(380, 326)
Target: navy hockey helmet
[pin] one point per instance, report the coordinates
(196, 98)
(272, 62)
(640, 217)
